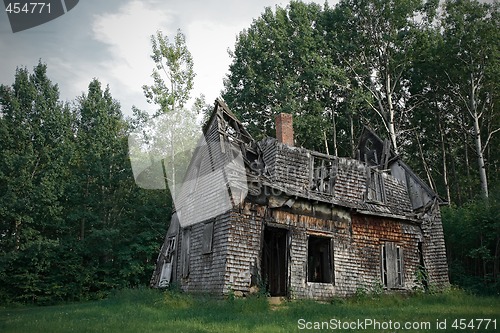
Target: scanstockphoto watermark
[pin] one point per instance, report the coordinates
(362, 324)
(458, 324)
(170, 150)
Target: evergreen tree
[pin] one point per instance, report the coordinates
(35, 145)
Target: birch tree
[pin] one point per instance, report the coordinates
(173, 130)
(471, 46)
(376, 49)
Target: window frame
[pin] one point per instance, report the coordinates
(322, 177)
(375, 186)
(207, 237)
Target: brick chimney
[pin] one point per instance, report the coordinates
(284, 128)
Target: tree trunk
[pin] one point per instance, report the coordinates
(390, 114)
(456, 176)
(334, 123)
(445, 168)
(480, 157)
(468, 187)
(353, 147)
(424, 162)
(477, 137)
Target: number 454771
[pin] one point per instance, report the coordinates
(474, 324)
(28, 8)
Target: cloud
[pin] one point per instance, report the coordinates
(208, 42)
(127, 37)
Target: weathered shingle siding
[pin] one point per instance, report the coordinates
(357, 249)
(243, 249)
(292, 168)
(369, 234)
(206, 271)
(206, 174)
(351, 181)
(396, 195)
(269, 147)
(289, 168)
(435, 249)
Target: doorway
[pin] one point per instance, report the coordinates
(275, 261)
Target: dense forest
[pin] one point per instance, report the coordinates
(74, 224)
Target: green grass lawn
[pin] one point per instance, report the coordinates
(145, 310)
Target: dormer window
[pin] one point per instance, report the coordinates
(375, 190)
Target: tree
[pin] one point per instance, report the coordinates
(35, 145)
(173, 74)
(282, 63)
(113, 226)
(158, 148)
(471, 39)
(375, 40)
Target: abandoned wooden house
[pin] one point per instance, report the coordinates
(303, 224)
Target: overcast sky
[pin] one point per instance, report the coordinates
(110, 40)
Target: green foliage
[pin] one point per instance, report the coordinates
(173, 73)
(472, 234)
(282, 64)
(73, 225)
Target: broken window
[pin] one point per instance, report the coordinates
(392, 265)
(323, 174)
(166, 271)
(185, 251)
(375, 190)
(208, 232)
(319, 259)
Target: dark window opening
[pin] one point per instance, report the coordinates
(319, 259)
(392, 265)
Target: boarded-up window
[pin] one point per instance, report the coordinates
(375, 190)
(319, 259)
(392, 265)
(185, 251)
(166, 271)
(207, 239)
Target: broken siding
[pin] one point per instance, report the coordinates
(268, 148)
(290, 171)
